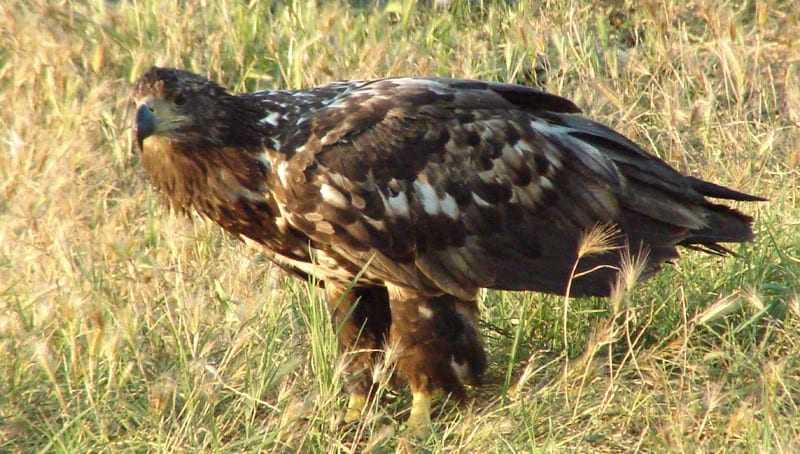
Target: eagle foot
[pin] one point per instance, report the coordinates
(355, 406)
(419, 421)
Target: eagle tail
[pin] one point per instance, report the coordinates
(721, 192)
(724, 225)
(660, 202)
(660, 208)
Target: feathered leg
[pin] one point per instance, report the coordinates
(438, 348)
(361, 317)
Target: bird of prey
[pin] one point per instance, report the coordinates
(405, 196)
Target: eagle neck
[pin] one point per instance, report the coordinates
(245, 130)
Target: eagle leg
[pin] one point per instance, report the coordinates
(438, 348)
(355, 405)
(419, 421)
(361, 319)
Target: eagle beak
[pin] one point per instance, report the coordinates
(145, 124)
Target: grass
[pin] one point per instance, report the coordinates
(125, 327)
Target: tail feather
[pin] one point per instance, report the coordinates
(660, 202)
(660, 209)
(721, 192)
(724, 225)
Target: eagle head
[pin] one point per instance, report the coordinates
(188, 110)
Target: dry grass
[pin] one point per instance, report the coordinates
(125, 327)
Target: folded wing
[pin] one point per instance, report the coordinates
(450, 186)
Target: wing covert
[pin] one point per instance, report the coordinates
(445, 191)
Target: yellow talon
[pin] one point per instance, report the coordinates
(419, 422)
(354, 407)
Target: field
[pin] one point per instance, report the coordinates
(127, 327)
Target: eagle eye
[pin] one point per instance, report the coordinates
(180, 99)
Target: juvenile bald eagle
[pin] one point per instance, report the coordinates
(405, 196)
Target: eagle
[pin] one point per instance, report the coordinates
(403, 197)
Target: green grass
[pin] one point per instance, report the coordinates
(125, 327)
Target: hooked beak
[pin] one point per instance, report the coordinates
(145, 124)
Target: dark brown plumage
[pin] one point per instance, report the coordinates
(434, 188)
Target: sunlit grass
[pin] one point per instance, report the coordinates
(124, 326)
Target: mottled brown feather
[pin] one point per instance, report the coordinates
(442, 185)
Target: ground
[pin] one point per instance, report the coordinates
(124, 326)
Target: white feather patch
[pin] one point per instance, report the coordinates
(425, 312)
(528, 195)
(427, 195)
(333, 196)
(302, 94)
(479, 201)
(549, 128)
(333, 136)
(398, 205)
(513, 156)
(276, 144)
(283, 173)
(324, 227)
(523, 147)
(272, 118)
(248, 194)
(431, 85)
(449, 206)
(461, 371)
(263, 159)
(323, 273)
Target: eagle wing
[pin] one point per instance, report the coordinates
(449, 186)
